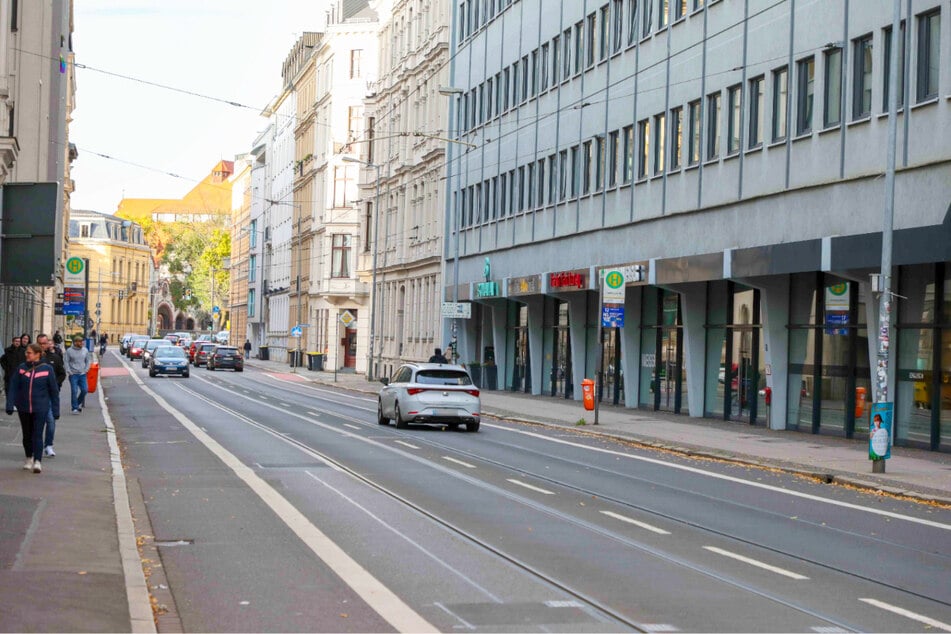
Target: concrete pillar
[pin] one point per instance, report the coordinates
(499, 320)
(536, 341)
(872, 315)
(631, 346)
(693, 298)
(584, 340)
(774, 311)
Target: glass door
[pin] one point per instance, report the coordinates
(521, 366)
(561, 384)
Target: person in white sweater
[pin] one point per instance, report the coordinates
(77, 366)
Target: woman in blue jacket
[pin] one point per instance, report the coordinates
(33, 391)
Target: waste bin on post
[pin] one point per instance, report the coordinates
(587, 390)
(92, 377)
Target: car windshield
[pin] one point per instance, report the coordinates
(226, 351)
(138, 343)
(443, 377)
(208, 347)
(155, 343)
(169, 352)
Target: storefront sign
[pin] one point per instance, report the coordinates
(487, 289)
(530, 285)
(568, 280)
(880, 431)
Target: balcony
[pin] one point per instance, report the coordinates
(339, 290)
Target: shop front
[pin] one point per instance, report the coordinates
(663, 374)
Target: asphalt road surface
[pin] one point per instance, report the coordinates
(272, 504)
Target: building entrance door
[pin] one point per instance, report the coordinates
(350, 348)
(561, 382)
(521, 366)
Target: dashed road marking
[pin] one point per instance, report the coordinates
(351, 426)
(757, 563)
(635, 522)
(405, 444)
(284, 404)
(459, 462)
(908, 614)
(530, 487)
(313, 413)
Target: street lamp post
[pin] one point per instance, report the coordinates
(376, 244)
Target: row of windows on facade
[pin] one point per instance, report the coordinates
(606, 161)
(558, 60)
(409, 30)
(474, 14)
(578, 48)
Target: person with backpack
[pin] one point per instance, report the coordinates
(34, 394)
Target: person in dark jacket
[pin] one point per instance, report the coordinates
(35, 394)
(103, 341)
(10, 362)
(52, 357)
(247, 348)
(438, 357)
(25, 340)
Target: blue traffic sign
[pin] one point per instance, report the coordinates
(215, 310)
(297, 331)
(612, 316)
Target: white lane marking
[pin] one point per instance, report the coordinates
(262, 397)
(351, 426)
(658, 627)
(559, 603)
(282, 404)
(908, 614)
(405, 444)
(757, 563)
(313, 413)
(635, 522)
(460, 462)
(465, 623)
(380, 598)
(719, 476)
(414, 543)
(529, 486)
(141, 618)
(350, 399)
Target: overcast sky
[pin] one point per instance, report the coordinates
(229, 49)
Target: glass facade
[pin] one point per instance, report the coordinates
(663, 373)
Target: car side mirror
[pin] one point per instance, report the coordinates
(385, 381)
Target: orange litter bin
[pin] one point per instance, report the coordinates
(92, 377)
(587, 390)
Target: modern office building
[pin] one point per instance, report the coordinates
(729, 157)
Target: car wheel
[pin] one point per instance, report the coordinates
(380, 418)
(186, 375)
(152, 373)
(472, 427)
(239, 369)
(400, 423)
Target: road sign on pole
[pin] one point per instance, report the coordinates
(456, 310)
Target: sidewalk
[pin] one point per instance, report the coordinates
(915, 473)
(61, 567)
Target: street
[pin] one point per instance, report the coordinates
(276, 505)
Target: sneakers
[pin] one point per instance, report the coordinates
(28, 464)
(37, 466)
(49, 451)
(76, 411)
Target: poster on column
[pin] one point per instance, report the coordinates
(880, 431)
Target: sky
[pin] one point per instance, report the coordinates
(228, 49)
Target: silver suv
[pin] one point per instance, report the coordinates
(434, 393)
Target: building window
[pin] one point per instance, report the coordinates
(887, 64)
(663, 13)
(862, 78)
(575, 170)
(588, 165)
(526, 72)
(832, 106)
(591, 35)
(643, 150)
(543, 69)
(579, 46)
(251, 302)
(340, 255)
(617, 25)
(555, 60)
(648, 6)
(523, 187)
(680, 9)
(566, 54)
(563, 174)
(756, 112)
(632, 21)
(253, 234)
(806, 76)
(693, 149)
(613, 148)
(780, 101)
(534, 81)
(344, 185)
(505, 90)
(503, 194)
(540, 171)
(598, 163)
(929, 52)
(676, 137)
(85, 230)
(355, 57)
(713, 126)
(552, 179)
(660, 130)
(627, 161)
(735, 99)
(530, 186)
(252, 268)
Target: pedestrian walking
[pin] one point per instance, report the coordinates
(35, 395)
(438, 357)
(52, 358)
(247, 348)
(9, 362)
(77, 366)
(103, 341)
(57, 338)
(25, 340)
